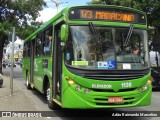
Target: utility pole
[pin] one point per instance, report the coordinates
(58, 3)
(12, 62)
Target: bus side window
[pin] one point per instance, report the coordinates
(38, 45)
(27, 49)
(47, 41)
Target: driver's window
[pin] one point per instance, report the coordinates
(107, 44)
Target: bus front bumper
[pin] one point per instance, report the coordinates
(74, 99)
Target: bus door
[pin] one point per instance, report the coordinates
(57, 65)
(32, 61)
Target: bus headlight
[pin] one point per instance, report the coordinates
(140, 89)
(143, 88)
(86, 90)
(78, 87)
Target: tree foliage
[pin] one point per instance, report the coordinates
(150, 7)
(20, 14)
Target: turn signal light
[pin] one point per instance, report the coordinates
(150, 81)
(67, 78)
(70, 82)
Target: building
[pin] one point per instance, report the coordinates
(18, 50)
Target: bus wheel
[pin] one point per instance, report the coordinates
(51, 104)
(28, 84)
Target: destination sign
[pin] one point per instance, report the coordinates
(106, 14)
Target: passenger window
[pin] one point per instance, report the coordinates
(38, 45)
(47, 41)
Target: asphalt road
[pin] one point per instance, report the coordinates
(41, 104)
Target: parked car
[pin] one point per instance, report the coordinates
(9, 64)
(155, 73)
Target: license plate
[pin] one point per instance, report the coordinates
(115, 100)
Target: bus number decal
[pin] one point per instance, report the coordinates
(126, 85)
(86, 14)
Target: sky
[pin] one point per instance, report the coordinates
(51, 9)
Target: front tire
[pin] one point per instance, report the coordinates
(51, 104)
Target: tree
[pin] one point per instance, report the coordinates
(150, 7)
(20, 14)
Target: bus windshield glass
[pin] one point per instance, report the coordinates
(95, 47)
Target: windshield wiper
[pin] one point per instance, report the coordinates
(128, 35)
(97, 40)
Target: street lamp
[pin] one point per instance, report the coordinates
(58, 3)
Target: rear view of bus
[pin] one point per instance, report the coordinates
(106, 61)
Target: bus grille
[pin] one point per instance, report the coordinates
(111, 90)
(114, 77)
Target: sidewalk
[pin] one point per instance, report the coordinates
(17, 102)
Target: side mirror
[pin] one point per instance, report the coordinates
(64, 33)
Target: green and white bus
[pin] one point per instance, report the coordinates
(93, 56)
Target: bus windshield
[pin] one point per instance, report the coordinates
(106, 48)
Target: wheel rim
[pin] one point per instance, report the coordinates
(48, 94)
